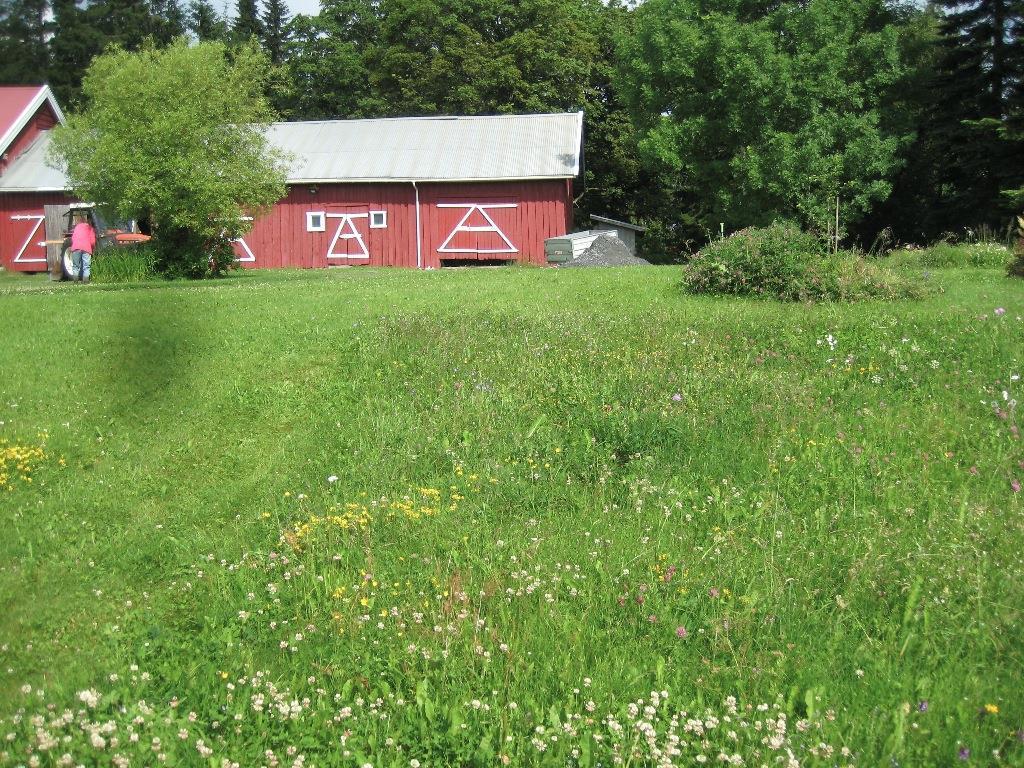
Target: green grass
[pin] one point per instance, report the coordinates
(542, 479)
(950, 255)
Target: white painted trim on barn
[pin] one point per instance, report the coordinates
(35, 189)
(310, 227)
(44, 95)
(419, 236)
(492, 228)
(301, 182)
(406, 180)
(251, 257)
(347, 218)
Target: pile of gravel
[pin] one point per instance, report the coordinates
(607, 251)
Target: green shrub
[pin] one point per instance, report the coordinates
(124, 264)
(1016, 267)
(950, 255)
(783, 262)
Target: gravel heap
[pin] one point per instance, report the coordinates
(607, 251)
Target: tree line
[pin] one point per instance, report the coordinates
(901, 122)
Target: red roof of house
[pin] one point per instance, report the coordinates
(18, 103)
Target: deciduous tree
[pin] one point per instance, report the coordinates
(193, 166)
(767, 109)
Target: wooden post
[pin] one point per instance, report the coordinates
(837, 225)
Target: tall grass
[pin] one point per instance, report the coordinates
(522, 517)
(124, 264)
(950, 255)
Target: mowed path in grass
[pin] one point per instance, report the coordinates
(483, 511)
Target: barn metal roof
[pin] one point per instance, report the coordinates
(491, 148)
(30, 173)
(433, 148)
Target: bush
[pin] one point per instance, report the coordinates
(124, 264)
(950, 255)
(783, 262)
(179, 253)
(1016, 267)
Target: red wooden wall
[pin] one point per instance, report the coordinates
(498, 220)
(22, 229)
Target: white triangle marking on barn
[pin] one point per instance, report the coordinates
(482, 209)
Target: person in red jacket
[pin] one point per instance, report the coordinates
(83, 242)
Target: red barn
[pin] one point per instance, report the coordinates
(26, 116)
(412, 192)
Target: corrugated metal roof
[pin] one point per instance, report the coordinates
(433, 148)
(30, 173)
(396, 149)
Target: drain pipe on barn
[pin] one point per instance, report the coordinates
(419, 245)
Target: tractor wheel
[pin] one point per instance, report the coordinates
(67, 266)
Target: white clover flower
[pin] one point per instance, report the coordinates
(89, 697)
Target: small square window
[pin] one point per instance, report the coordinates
(378, 219)
(315, 221)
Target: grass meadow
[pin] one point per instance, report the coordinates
(509, 517)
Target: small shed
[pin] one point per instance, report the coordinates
(626, 232)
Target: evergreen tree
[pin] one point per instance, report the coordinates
(23, 51)
(205, 23)
(247, 21)
(768, 109)
(74, 43)
(979, 80)
(125, 23)
(275, 30)
(167, 21)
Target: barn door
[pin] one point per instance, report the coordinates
(56, 229)
(347, 228)
(28, 240)
(477, 229)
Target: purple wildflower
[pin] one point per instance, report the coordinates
(676, 397)
(999, 311)
(964, 753)
(681, 632)
(922, 706)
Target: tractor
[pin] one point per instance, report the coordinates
(108, 234)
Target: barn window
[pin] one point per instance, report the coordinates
(315, 221)
(378, 219)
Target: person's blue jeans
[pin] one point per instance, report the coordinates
(81, 264)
